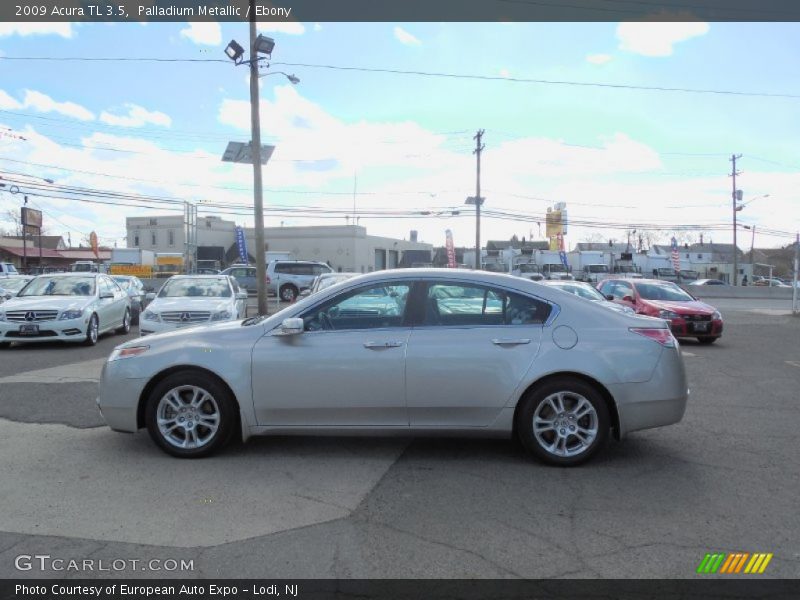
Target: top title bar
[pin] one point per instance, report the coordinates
(398, 10)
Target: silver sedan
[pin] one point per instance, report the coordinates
(415, 352)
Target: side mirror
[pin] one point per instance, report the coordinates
(150, 296)
(609, 297)
(629, 299)
(241, 295)
(292, 326)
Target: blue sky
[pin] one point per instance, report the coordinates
(616, 155)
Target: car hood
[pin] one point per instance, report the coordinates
(689, 307)
(181, 304)
(59, 303)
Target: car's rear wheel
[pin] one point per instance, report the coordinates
(92, 331)
(707, 340)
(190, 414)
(563, 422)
(288, 293)
(126, 323)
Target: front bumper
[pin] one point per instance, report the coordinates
(67, 330)
(118, 397)
(147, 327)
(694, 328)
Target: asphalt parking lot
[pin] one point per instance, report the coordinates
(725, 479)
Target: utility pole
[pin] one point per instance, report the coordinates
(795, 282)
(255, 118)
(734, 173)
(478, 149)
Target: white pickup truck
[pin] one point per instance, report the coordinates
(7, 269)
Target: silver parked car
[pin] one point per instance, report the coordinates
(585, 290)
(416, 351)
(70, 307)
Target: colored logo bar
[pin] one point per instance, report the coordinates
(735, 563)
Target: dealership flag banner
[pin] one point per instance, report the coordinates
(93, 242)
(676, 257)
(241, 243)
(451, 251)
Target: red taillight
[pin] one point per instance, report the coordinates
(662, 336)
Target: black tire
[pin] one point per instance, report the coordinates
(573, 391)
(4, 345)
(288, 293)
(225, 404)
(135, 317)
(126, 323)
(707, 340)
(92, 331)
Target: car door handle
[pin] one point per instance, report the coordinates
(382, 344)
(509, 342)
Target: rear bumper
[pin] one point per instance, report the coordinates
(658, 402)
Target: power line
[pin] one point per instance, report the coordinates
(540, 81)
(432, 74)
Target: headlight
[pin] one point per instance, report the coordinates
(717, 316)
(221, 315)
(149, 315)
(70, 314)
(668, 314)
(128, 352)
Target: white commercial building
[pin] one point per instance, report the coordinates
(344, 247)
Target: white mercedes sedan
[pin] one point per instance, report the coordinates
(409, 352)
(186, 300)
(70, 307)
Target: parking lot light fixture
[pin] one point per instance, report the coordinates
(234, 51)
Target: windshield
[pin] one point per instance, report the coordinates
(13, 284)
(656, 291)
(196, 288)
(556, 268)
(597, 269)
(584, 291)
(9, 268)
(528, 268)
(123, 282)
(59, 286)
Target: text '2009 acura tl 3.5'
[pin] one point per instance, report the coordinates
(414, 352)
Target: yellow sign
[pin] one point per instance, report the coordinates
(144, 271)
(553, 225)
(170, 260)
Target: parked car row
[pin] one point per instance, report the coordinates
(284, 278)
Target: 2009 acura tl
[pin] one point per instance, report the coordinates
(416, 351)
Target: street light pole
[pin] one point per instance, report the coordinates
(734, 173)
(258, 200)
(478, 149)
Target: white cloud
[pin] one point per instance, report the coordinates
(44, 103)
(289, 27)
(209, 34)
(405, 37)
(24, 29)
(8, 102)
(599, 59)
(136, 117)
(657, 38)
(505, 73)
(317, 27)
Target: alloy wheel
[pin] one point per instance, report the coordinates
(565, 424)
(188, 417)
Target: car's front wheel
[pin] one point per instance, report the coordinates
(564, 422)
(125, 328)
(92, 331)
(190, 414)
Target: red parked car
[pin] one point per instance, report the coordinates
(688, 316)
